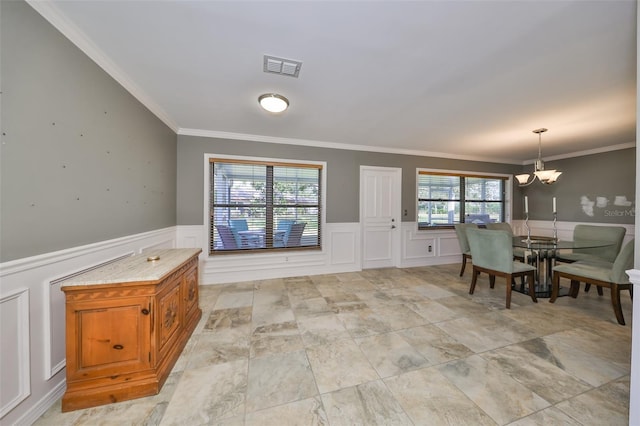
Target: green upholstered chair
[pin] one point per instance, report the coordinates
(461, 232)
(492, 253)
(518, 252)
(586, 233)
(600, 273)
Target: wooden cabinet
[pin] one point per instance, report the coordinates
(126, 325)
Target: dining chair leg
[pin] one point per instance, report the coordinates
(492, 281)
(464, 264)
(615, 301)
(555, 288)
(587, 286)
(599, 290)
(532, 287)
(574, 289)
(509, 278)
(474, 278)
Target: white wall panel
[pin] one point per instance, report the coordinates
(345, 241)
(448, 246)
(14, 331)
(188, 236)
(416, 245)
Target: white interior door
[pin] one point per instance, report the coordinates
(380, 189)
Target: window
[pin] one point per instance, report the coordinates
(448, 198)
(258, 206)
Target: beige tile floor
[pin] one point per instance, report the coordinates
(388, 347)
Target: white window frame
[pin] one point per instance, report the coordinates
(508, 190)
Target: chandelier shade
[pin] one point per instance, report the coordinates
(546, 177)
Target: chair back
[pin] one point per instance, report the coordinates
(239, 224)
(612, 234)
(227, 237)
(623, 262)
(461, 232)
(295, 236)
(285, 224)
(491, 249)
(500, 226)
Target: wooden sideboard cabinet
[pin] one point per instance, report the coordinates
(126, 325)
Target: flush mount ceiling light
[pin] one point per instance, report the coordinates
(273, 102)
(545, 176)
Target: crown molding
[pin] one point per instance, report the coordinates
(52, 14)
(335, 145)
(586, 152)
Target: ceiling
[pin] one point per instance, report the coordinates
(460, 79)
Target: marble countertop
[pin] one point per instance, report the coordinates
(135, 268)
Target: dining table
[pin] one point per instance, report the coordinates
(541, 252)
(256, 237)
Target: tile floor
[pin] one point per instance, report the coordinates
(388, 347)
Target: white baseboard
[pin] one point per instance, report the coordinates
(41, 406)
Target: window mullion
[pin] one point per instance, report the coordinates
(269, 208)
(463, 199)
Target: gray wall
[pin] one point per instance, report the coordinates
(585, 180)
(81, 159)
(343, 173)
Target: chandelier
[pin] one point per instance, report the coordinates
(545, 176)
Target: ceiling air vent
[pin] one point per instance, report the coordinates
(289, 67)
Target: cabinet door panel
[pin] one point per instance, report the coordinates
(114, 338)
(190, 295)
(169, 320)
(109, 335)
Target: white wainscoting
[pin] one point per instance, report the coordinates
(341, 253)
(564, 229)
(424, 248)
(32, 315)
